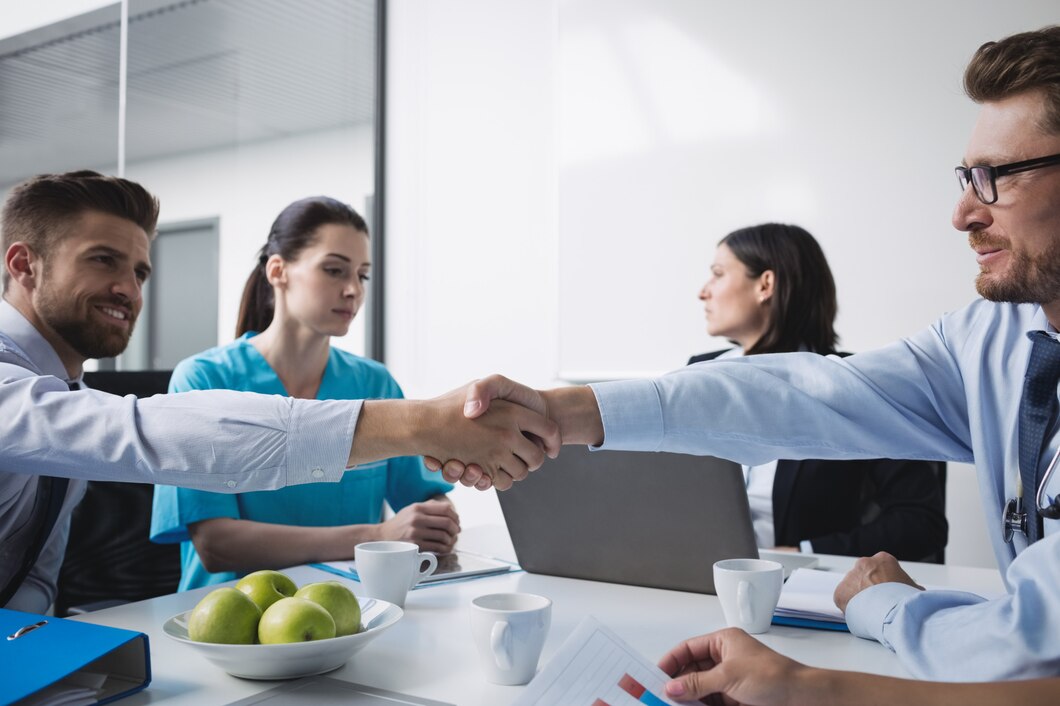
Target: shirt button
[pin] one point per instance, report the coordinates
(231, 484)
(318, 473)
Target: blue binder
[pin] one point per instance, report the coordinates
(810, 623)
(37, 651)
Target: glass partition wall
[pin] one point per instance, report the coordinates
(232, 109)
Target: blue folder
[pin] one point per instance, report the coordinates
(810, 623)
(37, 651)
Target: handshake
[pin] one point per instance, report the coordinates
(491, 432)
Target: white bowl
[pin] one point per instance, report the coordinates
(296, 659)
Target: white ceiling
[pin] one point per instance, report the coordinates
(203, 74)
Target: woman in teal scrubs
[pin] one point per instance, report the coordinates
(309, 283)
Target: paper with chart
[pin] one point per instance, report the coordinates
(596, 667)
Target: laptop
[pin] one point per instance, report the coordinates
(645, 519)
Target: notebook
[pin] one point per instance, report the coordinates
(646, 519)
(457, 565)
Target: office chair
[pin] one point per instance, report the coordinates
(109, 559)
(870, 510)
(940, 473)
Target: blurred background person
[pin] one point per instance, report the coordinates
(308, 285)
(771, 291)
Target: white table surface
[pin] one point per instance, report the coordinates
(429, 652)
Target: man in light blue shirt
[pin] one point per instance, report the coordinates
(951, 392)
(76, 250)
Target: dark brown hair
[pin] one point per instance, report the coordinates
(292, 232)
(40, 211)
(1027, 61)
(803, 307)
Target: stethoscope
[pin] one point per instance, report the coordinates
(1015, 517)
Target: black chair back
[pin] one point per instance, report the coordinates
(109, 558)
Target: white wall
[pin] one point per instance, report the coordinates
(246, 187)
(476, 180)
(683, 120)
(471, 198)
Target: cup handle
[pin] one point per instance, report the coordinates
(744, 593)
(500, 637)
(432, 562)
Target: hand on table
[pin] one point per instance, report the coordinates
(869, 571)
(734, 667)
(433, 525)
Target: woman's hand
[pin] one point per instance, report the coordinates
(433, 525)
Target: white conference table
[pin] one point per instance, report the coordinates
(429, 652)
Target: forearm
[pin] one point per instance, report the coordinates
(384, 431)
(216, 440)
(226, 544)
(959, 636)
(828, 687)
(576, 412)
(796, 405)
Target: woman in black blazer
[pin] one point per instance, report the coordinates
(771, 291)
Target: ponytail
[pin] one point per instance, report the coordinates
(256, 307)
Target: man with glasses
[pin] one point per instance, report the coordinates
(980, 385)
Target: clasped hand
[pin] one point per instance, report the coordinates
(495, 443)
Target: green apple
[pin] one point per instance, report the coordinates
(266, 587)
(337, 600)
(226, 616)
(295, 620)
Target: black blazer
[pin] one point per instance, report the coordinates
(858, 508)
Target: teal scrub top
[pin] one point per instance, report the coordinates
(356, 499)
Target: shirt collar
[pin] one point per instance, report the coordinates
(1039, 322)
(30, 343)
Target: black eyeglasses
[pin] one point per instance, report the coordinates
(983, 178)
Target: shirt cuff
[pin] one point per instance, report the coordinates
(319, 439)
(631, 413)
(872, 610)
(806, 547)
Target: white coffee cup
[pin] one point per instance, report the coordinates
(509, 630)
(749, 590)
(389, 570)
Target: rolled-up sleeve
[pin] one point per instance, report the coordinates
(215, 440)
(902, 401)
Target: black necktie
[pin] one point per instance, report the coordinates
(51, 492)
(1038, 408)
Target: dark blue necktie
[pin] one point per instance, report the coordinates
(1038, 408)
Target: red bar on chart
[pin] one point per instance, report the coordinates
(600, 702)
(637, 690)
(631, 686)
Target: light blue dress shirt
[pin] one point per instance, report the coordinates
(218, 440)
(358, 499)
(950, 393)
